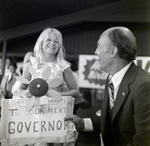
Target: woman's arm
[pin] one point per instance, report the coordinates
(71, 83)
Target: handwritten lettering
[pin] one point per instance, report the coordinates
(13, 111)
(42, 100)
(50, 110)
(35, 126)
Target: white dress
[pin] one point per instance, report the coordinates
(57, 68)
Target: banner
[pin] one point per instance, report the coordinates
(22, 127)
(90, 75)
(143, 62)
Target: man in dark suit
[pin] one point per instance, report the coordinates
(125, 111)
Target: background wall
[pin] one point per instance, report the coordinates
(82, 39)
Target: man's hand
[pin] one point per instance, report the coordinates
(79, 122)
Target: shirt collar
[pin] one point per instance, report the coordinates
(117, 78)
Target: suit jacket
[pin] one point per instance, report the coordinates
(130, 123)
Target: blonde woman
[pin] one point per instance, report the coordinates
(49, 52)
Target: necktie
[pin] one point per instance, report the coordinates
(111, 93)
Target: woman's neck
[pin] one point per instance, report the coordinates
(49, 58)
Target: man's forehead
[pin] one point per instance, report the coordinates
(105, 35)
(103, 38)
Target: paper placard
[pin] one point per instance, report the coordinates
(144, 62)
(90, 75)
(22, 127)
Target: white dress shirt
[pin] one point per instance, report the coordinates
(116, 80)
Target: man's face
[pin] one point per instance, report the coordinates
(103, 51)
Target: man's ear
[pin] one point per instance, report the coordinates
(114, 51)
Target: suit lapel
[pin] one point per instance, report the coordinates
(121, 96)
(124, 88)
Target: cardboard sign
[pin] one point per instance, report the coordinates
(143, 62)
(22, 127)
(90, 75)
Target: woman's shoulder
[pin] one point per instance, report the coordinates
(64, 64)
(33, 60)
(35, 63)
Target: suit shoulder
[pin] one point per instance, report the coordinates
(143, 74)
(142, 78)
